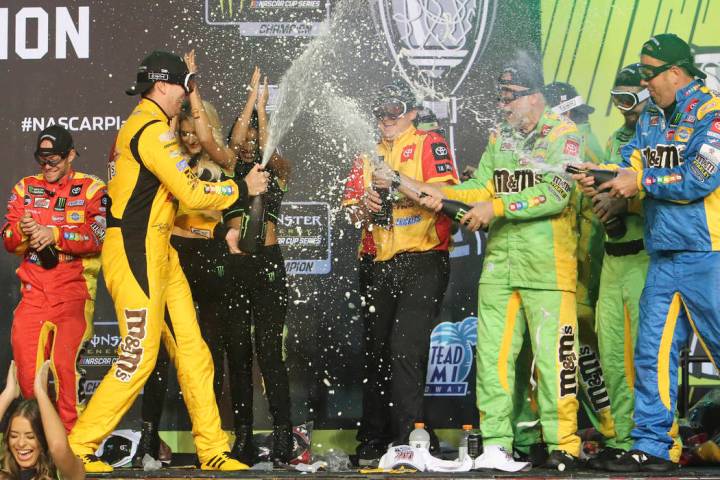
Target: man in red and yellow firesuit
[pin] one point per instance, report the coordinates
(56, 222)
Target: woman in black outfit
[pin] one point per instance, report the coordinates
(261, 294)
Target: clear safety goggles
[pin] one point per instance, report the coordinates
(626, 101)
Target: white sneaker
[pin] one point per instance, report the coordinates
(495, 457)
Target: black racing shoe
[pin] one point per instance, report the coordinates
(244, 449)
(606, 455)
(149, 444)
(639, 461)
(282, 444)
(562, 461)
(369, 452)
(537, 454)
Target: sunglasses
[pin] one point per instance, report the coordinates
(648, 72)
(626, 101)
(391, 110)
(51, 161)
(506, 99)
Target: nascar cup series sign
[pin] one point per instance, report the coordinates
(451, 358)
(269, 18)
(304, 235)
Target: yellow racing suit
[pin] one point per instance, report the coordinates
(144, 278)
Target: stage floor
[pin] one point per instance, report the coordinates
(190, 473)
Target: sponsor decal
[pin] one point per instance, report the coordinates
(35, 27)
(60, 204)
(33, 190)
(407, 153)
(663, 156)
(443, 167)
(545, 130)
(689, 119)
(515, 181)
(691, 106)
(58, 218)
(592, 376)
(181, 165)
(669, 135)
(406, 221)
(664, 180)
(676, 119)
(702, 168)
(507, 145)
(571, 148)
(440, 151)
(559, 188)
(715, 125)
(654, 120)
(98, 230)
(167, 136)
(76, 203)
(533, 202)
(708, 107)
(75, 216)
(27, 200)
(130, 349)
(683, 134)
(75, 190)
(75, 237)
(105, 200)
(41, 202)
(568, 361)
(304, 233)
(451, 358)
(225, 190)
(12, 198)
(710, 153)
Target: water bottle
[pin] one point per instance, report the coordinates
(420, 438)
(252, 233)
(463, 447)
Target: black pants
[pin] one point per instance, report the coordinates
(260, 300)
(406, 294)
(204, 264)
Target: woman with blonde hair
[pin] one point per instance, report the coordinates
(34, 444)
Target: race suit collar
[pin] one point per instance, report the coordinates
(682, 95)
(153, 107)
(401, 139)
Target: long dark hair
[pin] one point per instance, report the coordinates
(45, 469)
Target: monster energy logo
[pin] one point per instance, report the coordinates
(230, 3)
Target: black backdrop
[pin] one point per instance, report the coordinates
(108, 39)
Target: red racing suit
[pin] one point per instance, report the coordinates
(54, 316)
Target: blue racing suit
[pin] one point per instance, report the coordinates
(677, 163)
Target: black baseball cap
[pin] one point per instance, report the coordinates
(62, 141)
(563, 97)
(160, 66)
(672, 49)
(524, 69)
(397, 91)
(628, 76)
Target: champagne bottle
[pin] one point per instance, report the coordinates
(252, 233)
(383, 218)
(615, 227)
(48, 257)
(454, 209)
